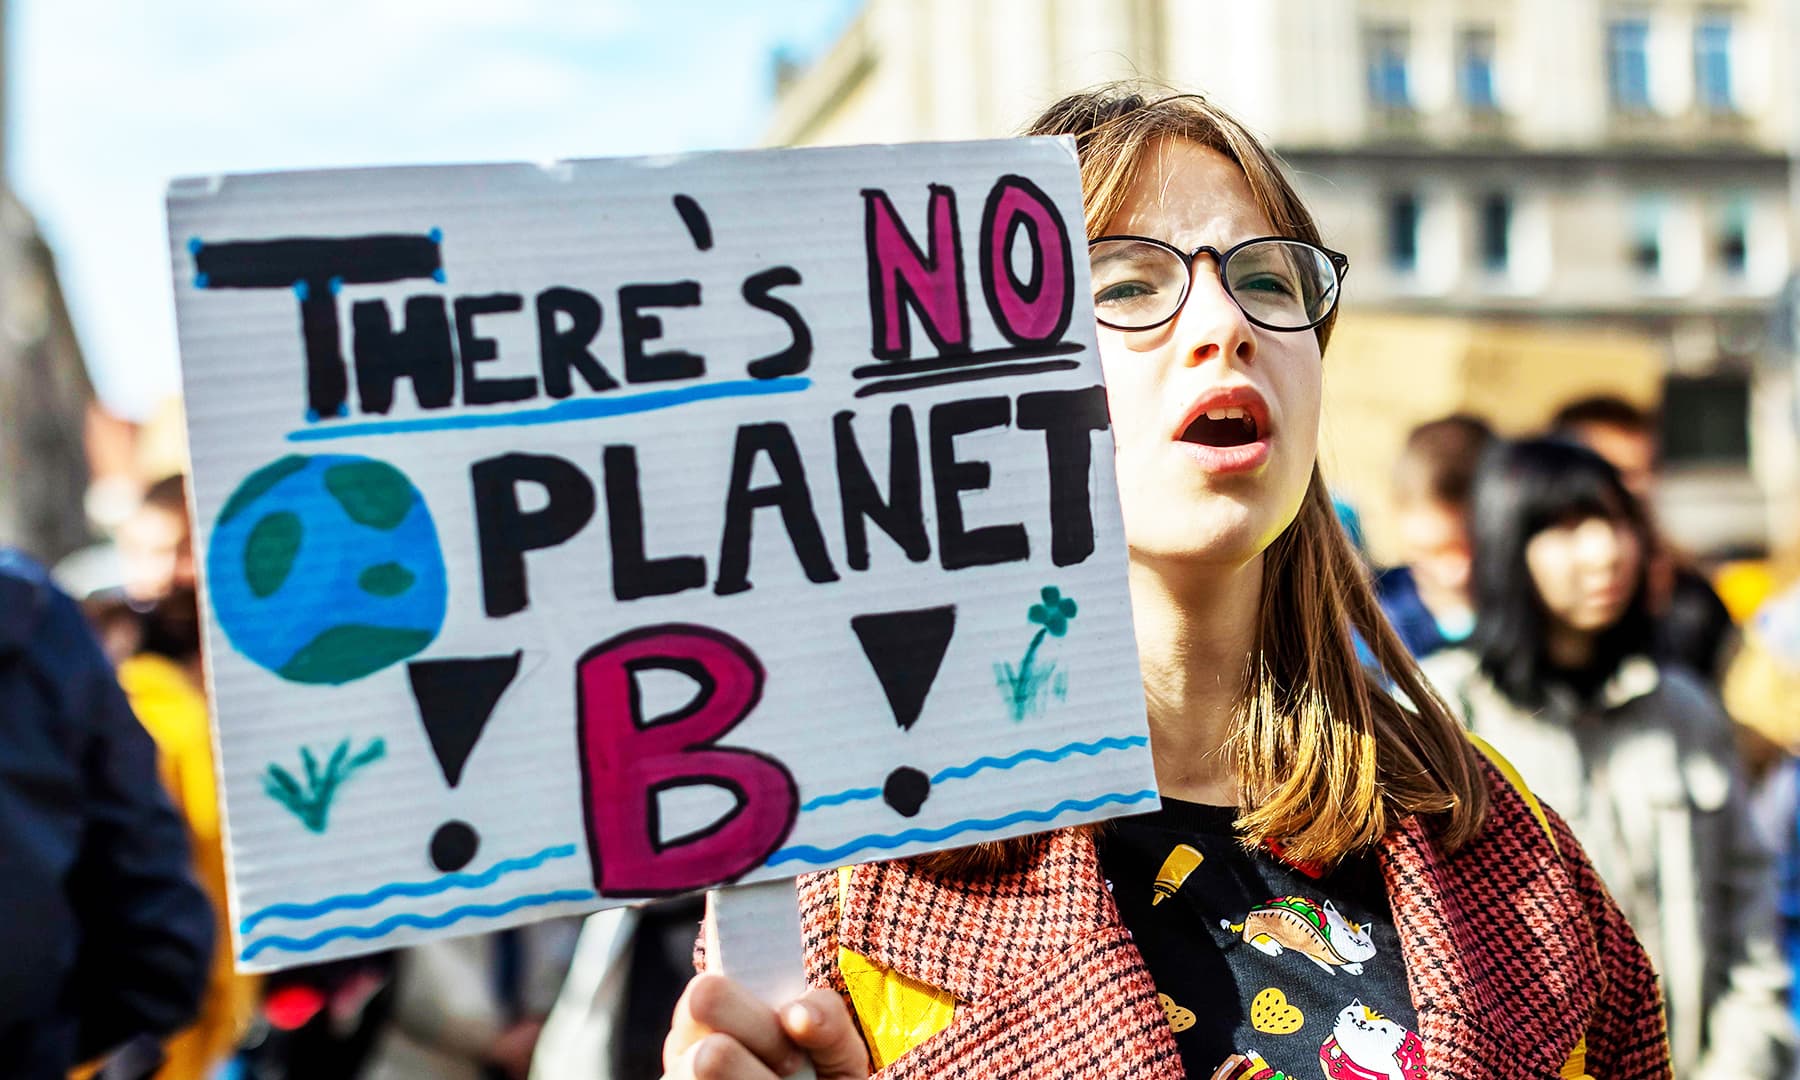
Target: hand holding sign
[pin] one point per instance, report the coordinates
(665, 524)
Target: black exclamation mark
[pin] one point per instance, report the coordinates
(456, 699)
(906, 649)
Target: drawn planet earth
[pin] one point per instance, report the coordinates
(326, 568)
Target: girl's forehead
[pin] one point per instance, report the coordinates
(1188, 195)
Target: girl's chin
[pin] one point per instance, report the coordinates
(1172, 548)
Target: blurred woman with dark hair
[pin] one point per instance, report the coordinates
(1638, 756)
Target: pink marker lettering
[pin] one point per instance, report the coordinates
(1034, 311)
(902, 276)
(628, 759)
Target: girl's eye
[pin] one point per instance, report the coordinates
(1267, 283)
(1119, 292)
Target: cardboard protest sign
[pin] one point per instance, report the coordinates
(578, 534)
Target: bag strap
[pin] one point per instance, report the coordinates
(1575, 1068)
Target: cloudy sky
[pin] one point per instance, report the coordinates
(108, 99)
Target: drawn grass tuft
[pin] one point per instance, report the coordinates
(311, 802)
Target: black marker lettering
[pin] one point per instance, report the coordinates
(313, 267)
(959, 547)
(1066, 417)
(475, 349)
(564, 349)
(637, 328)
(505, 531)
(635, 574)
(798, 354)
(789, 494)
(902, 514)
(420, 353)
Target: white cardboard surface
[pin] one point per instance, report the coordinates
(494, 740)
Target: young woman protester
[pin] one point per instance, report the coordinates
(1639, 755)
(1336, 880)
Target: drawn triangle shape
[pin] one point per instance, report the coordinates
(906, 649)
(456, 699)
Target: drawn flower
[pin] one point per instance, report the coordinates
(1054, 613)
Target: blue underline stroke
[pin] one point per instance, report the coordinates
(814, 856)
(578, 409)
(960, 772)
(369, 899)
(422, 922)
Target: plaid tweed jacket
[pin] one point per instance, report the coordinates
(1513, 953)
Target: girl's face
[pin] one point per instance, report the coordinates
(1191, 488)
(1585, 571)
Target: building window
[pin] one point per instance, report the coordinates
(1706, 419)
(1734, 239)
(1388, 49)
(1496, 232)
(1646, 238)
(1477, 70)
(1712, 62)
(1628, 64)
(1403, 232)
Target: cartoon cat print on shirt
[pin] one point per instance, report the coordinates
(1316, 932)
(1365, 1045)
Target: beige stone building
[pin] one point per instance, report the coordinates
(1540, 198)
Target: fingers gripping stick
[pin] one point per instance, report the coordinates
(753, 937)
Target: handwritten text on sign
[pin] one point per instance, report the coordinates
(580, 534)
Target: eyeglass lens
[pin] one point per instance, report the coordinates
(1282, 284)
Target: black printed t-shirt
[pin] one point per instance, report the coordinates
(1252, 955)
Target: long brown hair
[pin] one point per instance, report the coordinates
(1328, 758)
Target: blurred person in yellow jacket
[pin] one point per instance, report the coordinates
(163, 682)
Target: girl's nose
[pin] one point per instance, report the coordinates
(1211, 325)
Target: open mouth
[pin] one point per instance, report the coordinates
(1222, 427)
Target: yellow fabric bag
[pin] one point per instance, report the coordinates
(897, 1013)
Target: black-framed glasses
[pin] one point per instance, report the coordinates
(1280, 283)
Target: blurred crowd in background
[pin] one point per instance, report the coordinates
(1562, 424)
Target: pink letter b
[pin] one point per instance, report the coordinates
(627, 759)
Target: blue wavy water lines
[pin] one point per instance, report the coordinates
(422, 922)
(885, 841)
(1098, 746)
(355, 901)
(961, 772)
(847, 795)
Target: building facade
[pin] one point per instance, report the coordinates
(45, 396)
(1602, 183)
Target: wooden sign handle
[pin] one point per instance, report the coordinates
(753, 937)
